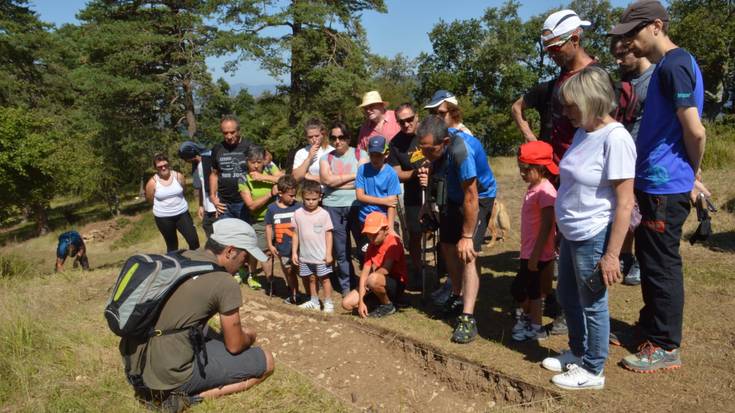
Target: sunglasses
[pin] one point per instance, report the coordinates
(340, 137)
(406, 120)
(162, 167)
(634, 32)
(439, 112)
(556, 46)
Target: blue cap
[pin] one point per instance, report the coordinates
(441, 96)
(190, 149)
(376, 144)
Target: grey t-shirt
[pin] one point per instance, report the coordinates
(169, 358)
(640, 84)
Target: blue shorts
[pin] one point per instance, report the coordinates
(306, 269)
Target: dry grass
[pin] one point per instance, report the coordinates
(56, 353)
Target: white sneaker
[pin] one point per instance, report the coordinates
(578, 378)
(560, 362)
(328, 307)
(310, 305)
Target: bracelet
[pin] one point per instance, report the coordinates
(468, 236)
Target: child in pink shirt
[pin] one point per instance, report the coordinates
(538, 232)
(311, 245)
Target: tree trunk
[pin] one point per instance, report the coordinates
(295, 93)
(40, 216)
(191, 120)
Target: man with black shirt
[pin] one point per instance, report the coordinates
(227, 158)
(536, 98)
(405, 157)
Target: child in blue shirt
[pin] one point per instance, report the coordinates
(376, 185)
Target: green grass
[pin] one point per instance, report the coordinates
(12, 265)
(719, 151)
(137, 232)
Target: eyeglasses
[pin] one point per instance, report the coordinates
(407, 120)
(340, 137)
(162, 167)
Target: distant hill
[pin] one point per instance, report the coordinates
(255, 90)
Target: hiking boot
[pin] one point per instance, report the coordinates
(559, 363)
(578, 378)
(253, 283)
(452, 307)
(383, 310)
(466, 329)
(559, 326)
(178, 402)
(651, 358)
(310, 305)
(631, 270)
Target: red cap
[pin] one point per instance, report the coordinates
(374, 222)
(538, 153)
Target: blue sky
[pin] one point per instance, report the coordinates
(404, 29)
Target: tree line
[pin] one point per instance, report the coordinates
(84, 106)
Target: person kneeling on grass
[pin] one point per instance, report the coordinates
(384, 272)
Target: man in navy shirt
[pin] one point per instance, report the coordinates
(670, 147)
(460, 160)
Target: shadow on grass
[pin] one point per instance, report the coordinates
(74, 214)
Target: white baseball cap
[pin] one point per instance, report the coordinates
(560, 23)
(239, 234)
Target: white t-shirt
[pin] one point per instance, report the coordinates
(303, 153)
(586, 202)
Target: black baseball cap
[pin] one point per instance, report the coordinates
(643, 11)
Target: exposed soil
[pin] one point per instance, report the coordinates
(374, 369)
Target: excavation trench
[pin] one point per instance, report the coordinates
(374, 369)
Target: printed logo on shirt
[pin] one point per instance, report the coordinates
(318, 228)
(683, 95)
(417, 156)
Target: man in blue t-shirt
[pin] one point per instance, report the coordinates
(376, 185)
(459, 160)
(71, 244)
(670, 148)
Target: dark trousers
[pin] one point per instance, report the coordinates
(345, 222)
(182, 222)
(207, 222)
(662, 280)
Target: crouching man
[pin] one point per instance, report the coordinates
(177, 369)
(384, 274)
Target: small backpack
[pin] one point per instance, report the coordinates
(143, 286)
(627, 105)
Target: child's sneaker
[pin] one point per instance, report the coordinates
(531, 333)
(383, 310)
(466, 329)
(522, 321)
(253, 283)
(310, 305)
(560, 362)
(578, 378)
(328, 307)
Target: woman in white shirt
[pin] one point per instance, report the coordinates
(165, 190)
(306, 160)
(593, 209)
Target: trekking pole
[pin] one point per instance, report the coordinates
(270, 277)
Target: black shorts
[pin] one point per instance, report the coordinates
(393, 287)
(224, 368)
(452, 219)
(527, 284)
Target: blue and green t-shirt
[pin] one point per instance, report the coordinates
(663, 165)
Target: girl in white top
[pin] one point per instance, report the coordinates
(165, 190)
(306, 160)
(593, 207)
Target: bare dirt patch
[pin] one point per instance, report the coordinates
(374, 369)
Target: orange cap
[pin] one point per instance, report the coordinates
(374, 222)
